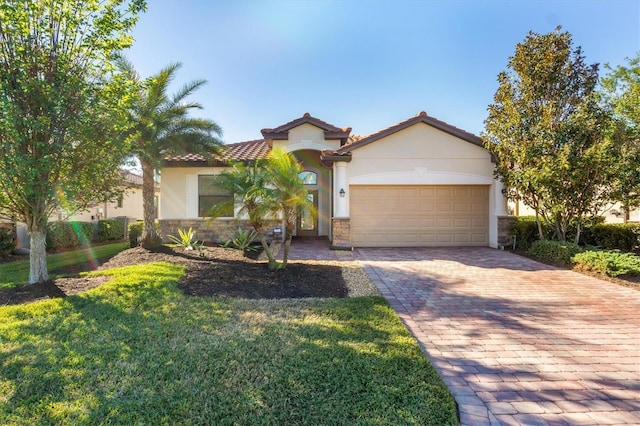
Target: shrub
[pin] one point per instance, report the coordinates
(613, 236)
(525, 231)
(609, 262)
(135, 231)
(7, 239)
(554, 251)
(109, 230)
(68, 234)
(242, 239)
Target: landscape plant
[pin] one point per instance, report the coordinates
(160, 127)
(561, 252)
(185, 240)
(253, 195)
(620, 236)
(620, 91)
(242, 239)
(62, 105)
(64, 234)
(109, 230)
(289, 196)
(612, 263)
(7, 240)
(548, 133)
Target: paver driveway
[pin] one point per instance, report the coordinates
(516, 341)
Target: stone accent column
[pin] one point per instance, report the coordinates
(341, 233)
(504, 225)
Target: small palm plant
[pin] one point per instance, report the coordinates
(186, 240)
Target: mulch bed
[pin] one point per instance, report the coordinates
(220, 272)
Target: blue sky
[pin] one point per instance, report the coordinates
(363, 64)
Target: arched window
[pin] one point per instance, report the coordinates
(308, 177)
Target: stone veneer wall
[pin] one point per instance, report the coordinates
(504, 226)
(341, 232)
(217, 231)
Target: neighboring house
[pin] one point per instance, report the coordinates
(612, 214)
(129, 205)
(421, 182)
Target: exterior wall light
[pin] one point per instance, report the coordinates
(342, 193)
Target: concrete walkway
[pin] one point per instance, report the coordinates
(517, 342)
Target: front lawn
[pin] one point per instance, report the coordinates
(137, 351)
(17, 273)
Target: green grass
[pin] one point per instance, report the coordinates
(17, 273)
(136, 351)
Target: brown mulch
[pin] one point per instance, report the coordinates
(218, 272)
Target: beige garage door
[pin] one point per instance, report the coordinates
(452, 215)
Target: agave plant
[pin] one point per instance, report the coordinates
(242, 239)
(185, 240)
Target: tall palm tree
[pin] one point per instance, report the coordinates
(250, 187)
(161, 126)
(289, 195)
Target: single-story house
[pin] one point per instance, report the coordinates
(128, 205)
(421, 182)
(613, 213)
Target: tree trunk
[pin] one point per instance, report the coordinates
(540, 232)
(289, 225)
(273, 264)
(149, 237)
(38, 256)
(578, 232)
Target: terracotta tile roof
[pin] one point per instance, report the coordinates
(331, 131)
(260, 148)
(241, 151)
(247, 151)
(422, 117)
(132, 178)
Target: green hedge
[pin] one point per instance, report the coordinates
(7, 240)
(68, 234)
(610, 236)
(554, 251)
(135, 231)
(525, 231)
(609, 262)
(613, 236)
(109, 230)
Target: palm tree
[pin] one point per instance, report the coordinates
(289, 195)
(250, 187)
(161, 126)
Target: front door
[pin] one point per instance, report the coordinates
(307, 224)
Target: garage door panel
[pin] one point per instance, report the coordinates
(419, 215)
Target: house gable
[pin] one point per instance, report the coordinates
(331, 131)
(419, 153)
(422, 117)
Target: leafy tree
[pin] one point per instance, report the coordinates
(250, 186)
(621, 93)
(547, 131)
(61, 108)
(161, 127)
(289, 195)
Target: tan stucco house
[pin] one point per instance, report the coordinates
(128, 205)
(421, 182)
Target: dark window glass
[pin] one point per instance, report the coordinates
(209, 195)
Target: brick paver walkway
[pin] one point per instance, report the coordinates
(518, 342)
